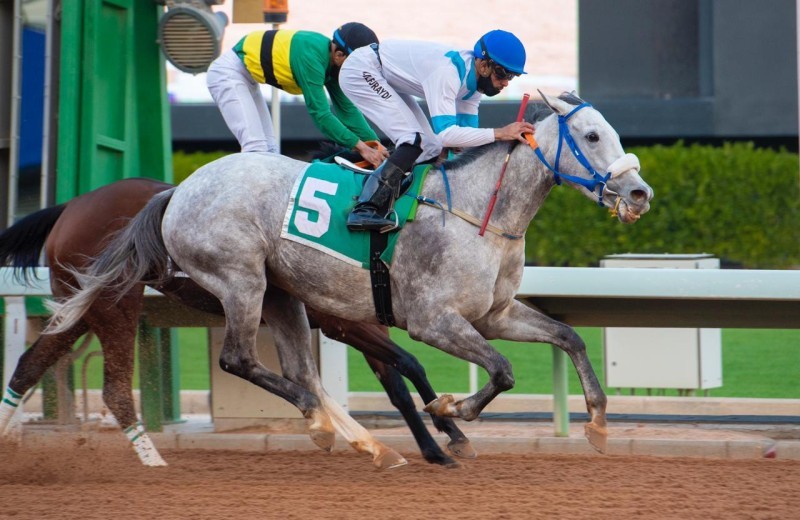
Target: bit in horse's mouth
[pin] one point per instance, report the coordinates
(624, 212)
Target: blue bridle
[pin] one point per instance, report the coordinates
(564, 135)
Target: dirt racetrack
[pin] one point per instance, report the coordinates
(85, 483)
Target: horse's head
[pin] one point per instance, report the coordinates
(586, 152)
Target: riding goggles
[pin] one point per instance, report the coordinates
(502, 74)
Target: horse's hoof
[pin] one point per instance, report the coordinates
(388, 459)
(443, 406)
(462, 448)
(440, 458)
(597, 436)
(320, 429)
(323, 439)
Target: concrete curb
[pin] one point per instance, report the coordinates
(503, 439)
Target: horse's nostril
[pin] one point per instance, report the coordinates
(639, 196)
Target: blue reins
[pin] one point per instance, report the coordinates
(565, 136)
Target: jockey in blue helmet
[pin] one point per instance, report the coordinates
(384, 80)
(504, 53)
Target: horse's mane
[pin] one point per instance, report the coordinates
(535, 113)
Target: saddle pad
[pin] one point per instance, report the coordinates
(320, 201)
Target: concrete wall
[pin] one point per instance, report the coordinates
(701, 68)
(657, 69)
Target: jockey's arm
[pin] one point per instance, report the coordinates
(454, 121)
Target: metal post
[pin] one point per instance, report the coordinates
(170, 375)
(13, 335)
(14, 325)
(49, 131)
(473, 378)
(16, 96)
(333, 368)
(150, 378)
(560, 393)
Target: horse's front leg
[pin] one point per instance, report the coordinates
(518, 322)
(43, 354)
(453, 334)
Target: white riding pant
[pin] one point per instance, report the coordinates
(398, 116)
(243, 107)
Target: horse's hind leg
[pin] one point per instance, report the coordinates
(242, 301)
(398, 393)
(32, 365)
(388, 362)
(115, 326)
(286, 317)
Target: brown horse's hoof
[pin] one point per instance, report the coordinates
(444, 406)
(323, 439)
(597, 436)
(462, 448)
(388, 459)
(321, 430)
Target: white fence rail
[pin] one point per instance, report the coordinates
(618, 297)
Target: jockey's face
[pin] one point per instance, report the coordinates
(492, 78)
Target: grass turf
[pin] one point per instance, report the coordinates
(760, 363)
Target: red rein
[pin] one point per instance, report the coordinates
(493, 200)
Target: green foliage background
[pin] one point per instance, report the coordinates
(737, 202)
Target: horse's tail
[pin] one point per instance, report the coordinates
(21, 245)
(135, 255)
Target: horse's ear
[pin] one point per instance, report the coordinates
(556, 105)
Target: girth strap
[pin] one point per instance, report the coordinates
(381, 282)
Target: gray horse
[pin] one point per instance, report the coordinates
(451, 288)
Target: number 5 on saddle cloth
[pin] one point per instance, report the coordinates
(316, 216)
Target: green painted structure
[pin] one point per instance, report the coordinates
(113, 112)
(114, 124)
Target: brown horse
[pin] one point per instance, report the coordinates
(74, 232)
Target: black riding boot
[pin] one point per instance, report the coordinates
(377, 199)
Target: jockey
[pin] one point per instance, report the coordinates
(381, 81)
(299, 62)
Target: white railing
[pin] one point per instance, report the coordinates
(605, 297)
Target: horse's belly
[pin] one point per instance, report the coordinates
(325, 283)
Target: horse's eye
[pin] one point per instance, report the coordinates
(592, 137)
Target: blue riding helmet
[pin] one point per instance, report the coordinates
(503, 48)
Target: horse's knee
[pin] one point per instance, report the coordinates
(234, 364)
(503, 376)
(572, 342)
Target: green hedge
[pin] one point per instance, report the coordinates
(737, 202)
(184, 164)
